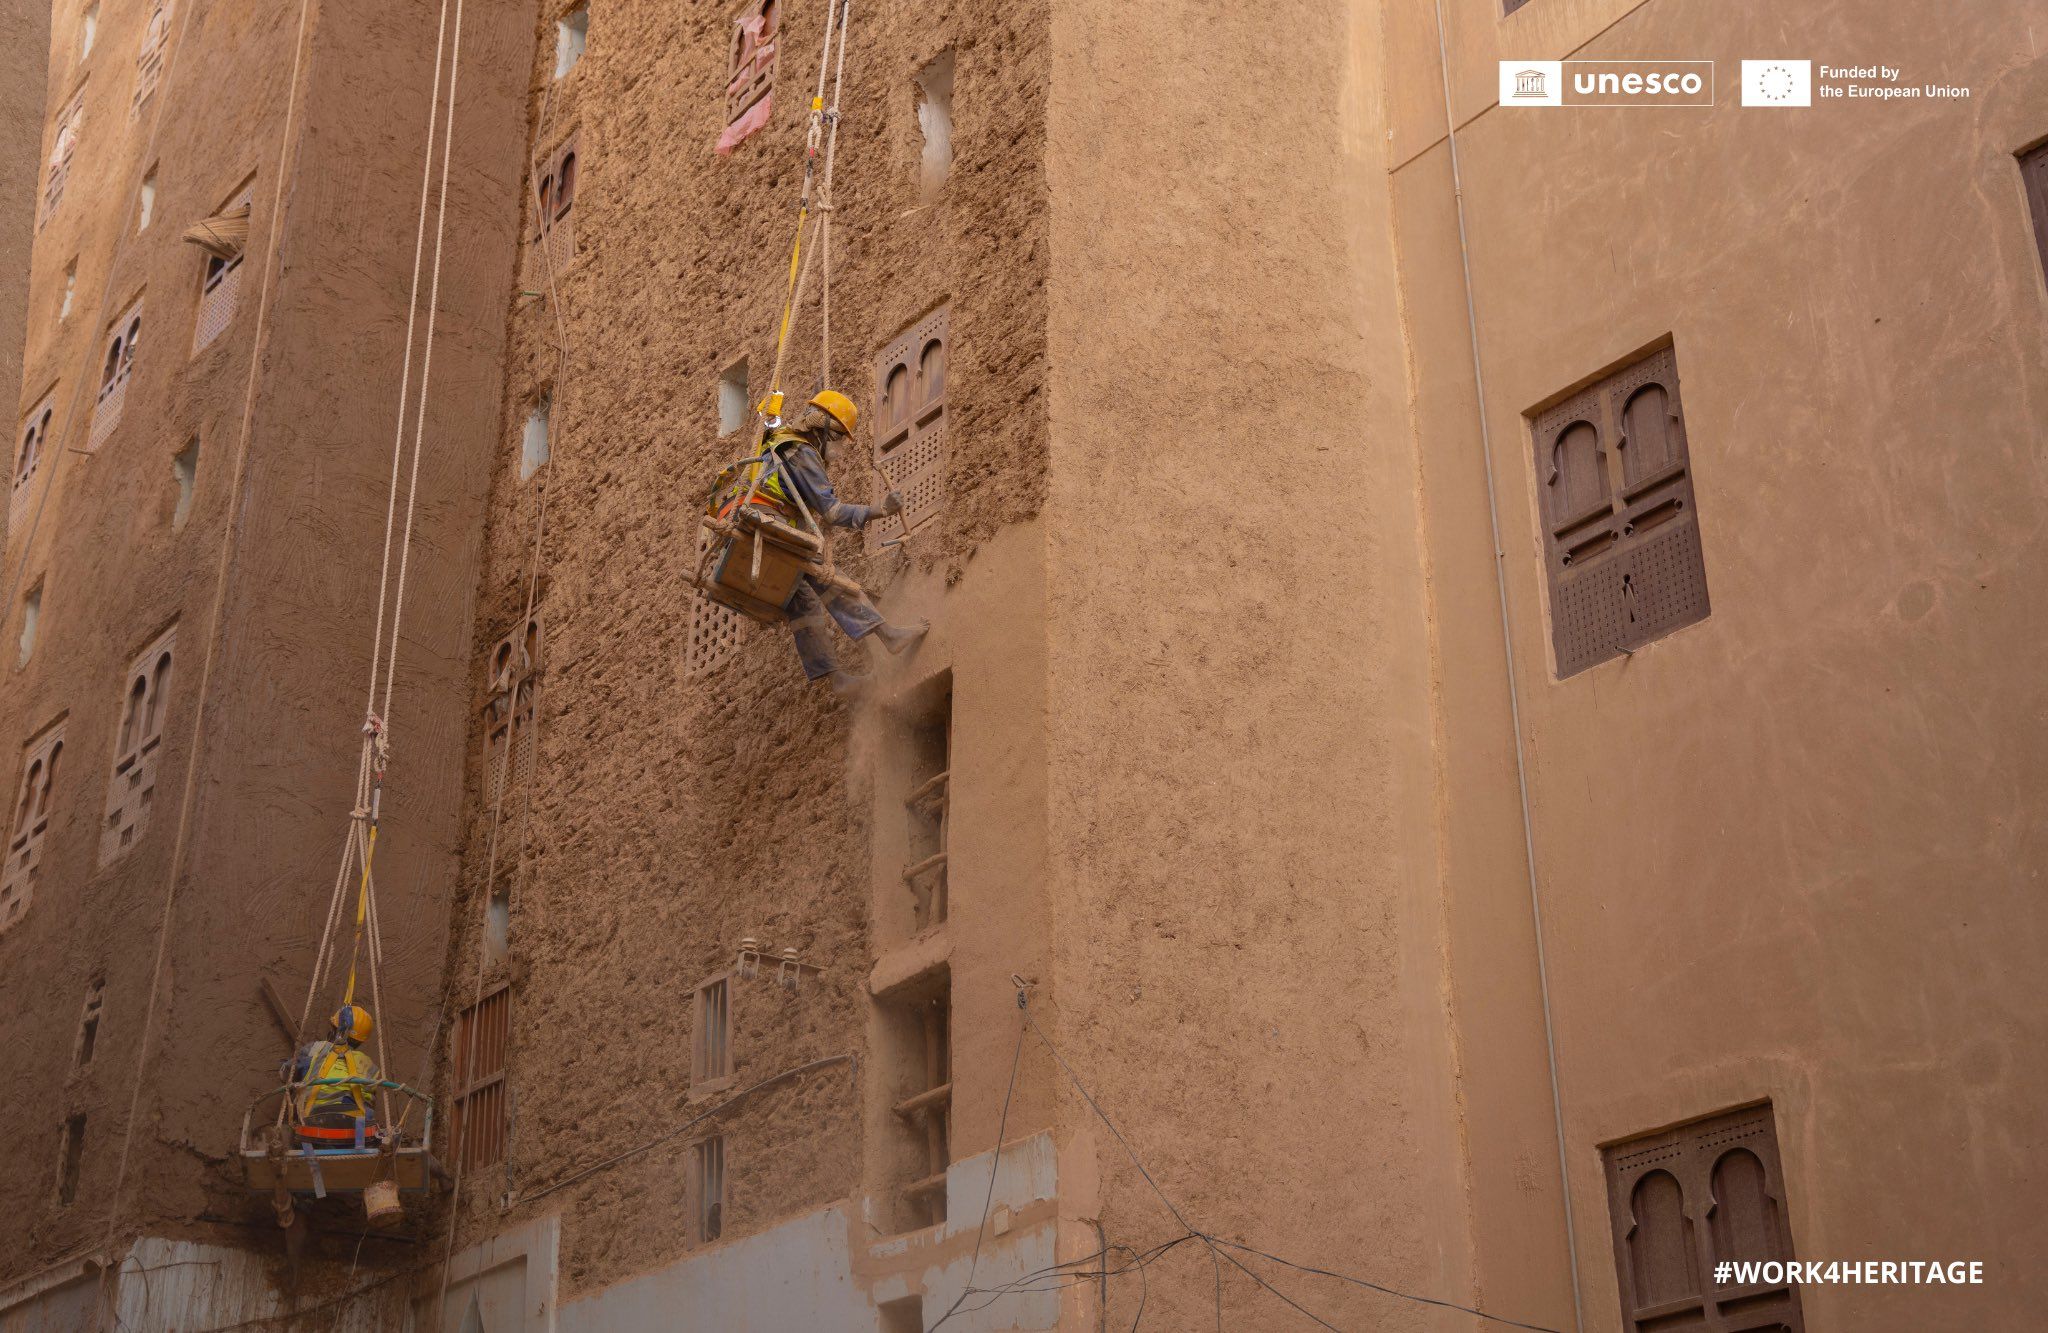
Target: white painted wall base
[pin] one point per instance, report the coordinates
(827, 1273)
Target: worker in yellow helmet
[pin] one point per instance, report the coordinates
(328, 1114)
(826, 427)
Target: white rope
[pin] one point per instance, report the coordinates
(419, 247)
(426, 360)
(825, 219)
(558, 425)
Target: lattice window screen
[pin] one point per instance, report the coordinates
(35, 438)
(62, 149)
(910, 422)
(509, 713)
(751, 60)
(131, 790)
(1683, 1200)
(115, 372)
(714, 631)
(149, 62)
(221, 289)
(32, 811)
(1621, 536)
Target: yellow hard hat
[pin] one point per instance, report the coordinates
(838, 406)
(351, 1022)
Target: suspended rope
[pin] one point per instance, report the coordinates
(559, 424)
(814, 213)
(359, 846)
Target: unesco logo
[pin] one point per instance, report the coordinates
(1662, 83)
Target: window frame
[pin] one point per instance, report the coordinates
(712, 1067)
(489, 1089)
(1625, 567)
(749, 73)
(1689, 1154)
(29, 820)
(138, 745)
(910, 440)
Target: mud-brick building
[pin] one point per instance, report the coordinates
(1478, 733)
(196, 511)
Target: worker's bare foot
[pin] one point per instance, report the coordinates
(898, 638)
(847, 685)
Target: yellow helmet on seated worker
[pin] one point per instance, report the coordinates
(351, 1022)
(838, 406)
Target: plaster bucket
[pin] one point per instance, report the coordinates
(380, 1201)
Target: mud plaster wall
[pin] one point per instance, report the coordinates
(670, 817)
(281, 717)
(1828, 892)
(22, 92)
(1243, 868)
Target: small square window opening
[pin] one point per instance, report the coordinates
(68, 1162)
(708, 1185)
(734, 409)
(31, 614)
(935, 123)
(572, 30)
(533, 444)
(185, 471)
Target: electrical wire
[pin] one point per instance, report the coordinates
(995, 1161)
(1219, 1246)
(1374, 1286)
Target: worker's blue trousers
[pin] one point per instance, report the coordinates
(808, 607)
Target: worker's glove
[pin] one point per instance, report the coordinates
(892, 503)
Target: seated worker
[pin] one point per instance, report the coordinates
(826, 425)
(334, 1115)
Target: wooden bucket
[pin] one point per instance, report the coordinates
(380, 1201)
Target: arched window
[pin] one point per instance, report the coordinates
(131, 713)
(32, 812)
(1660, 1247)
(910, 421)
(1745, 1216)
(896, 397)
(1649, 434)
(140, 748)
(149, 61)
(111, 372)
(931, 372)
(34, 440)
(159, 686)
(32, 790)
(554, 231)
(565, 193)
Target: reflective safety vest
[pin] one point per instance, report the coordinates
(733, 483)
(324, 1059)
